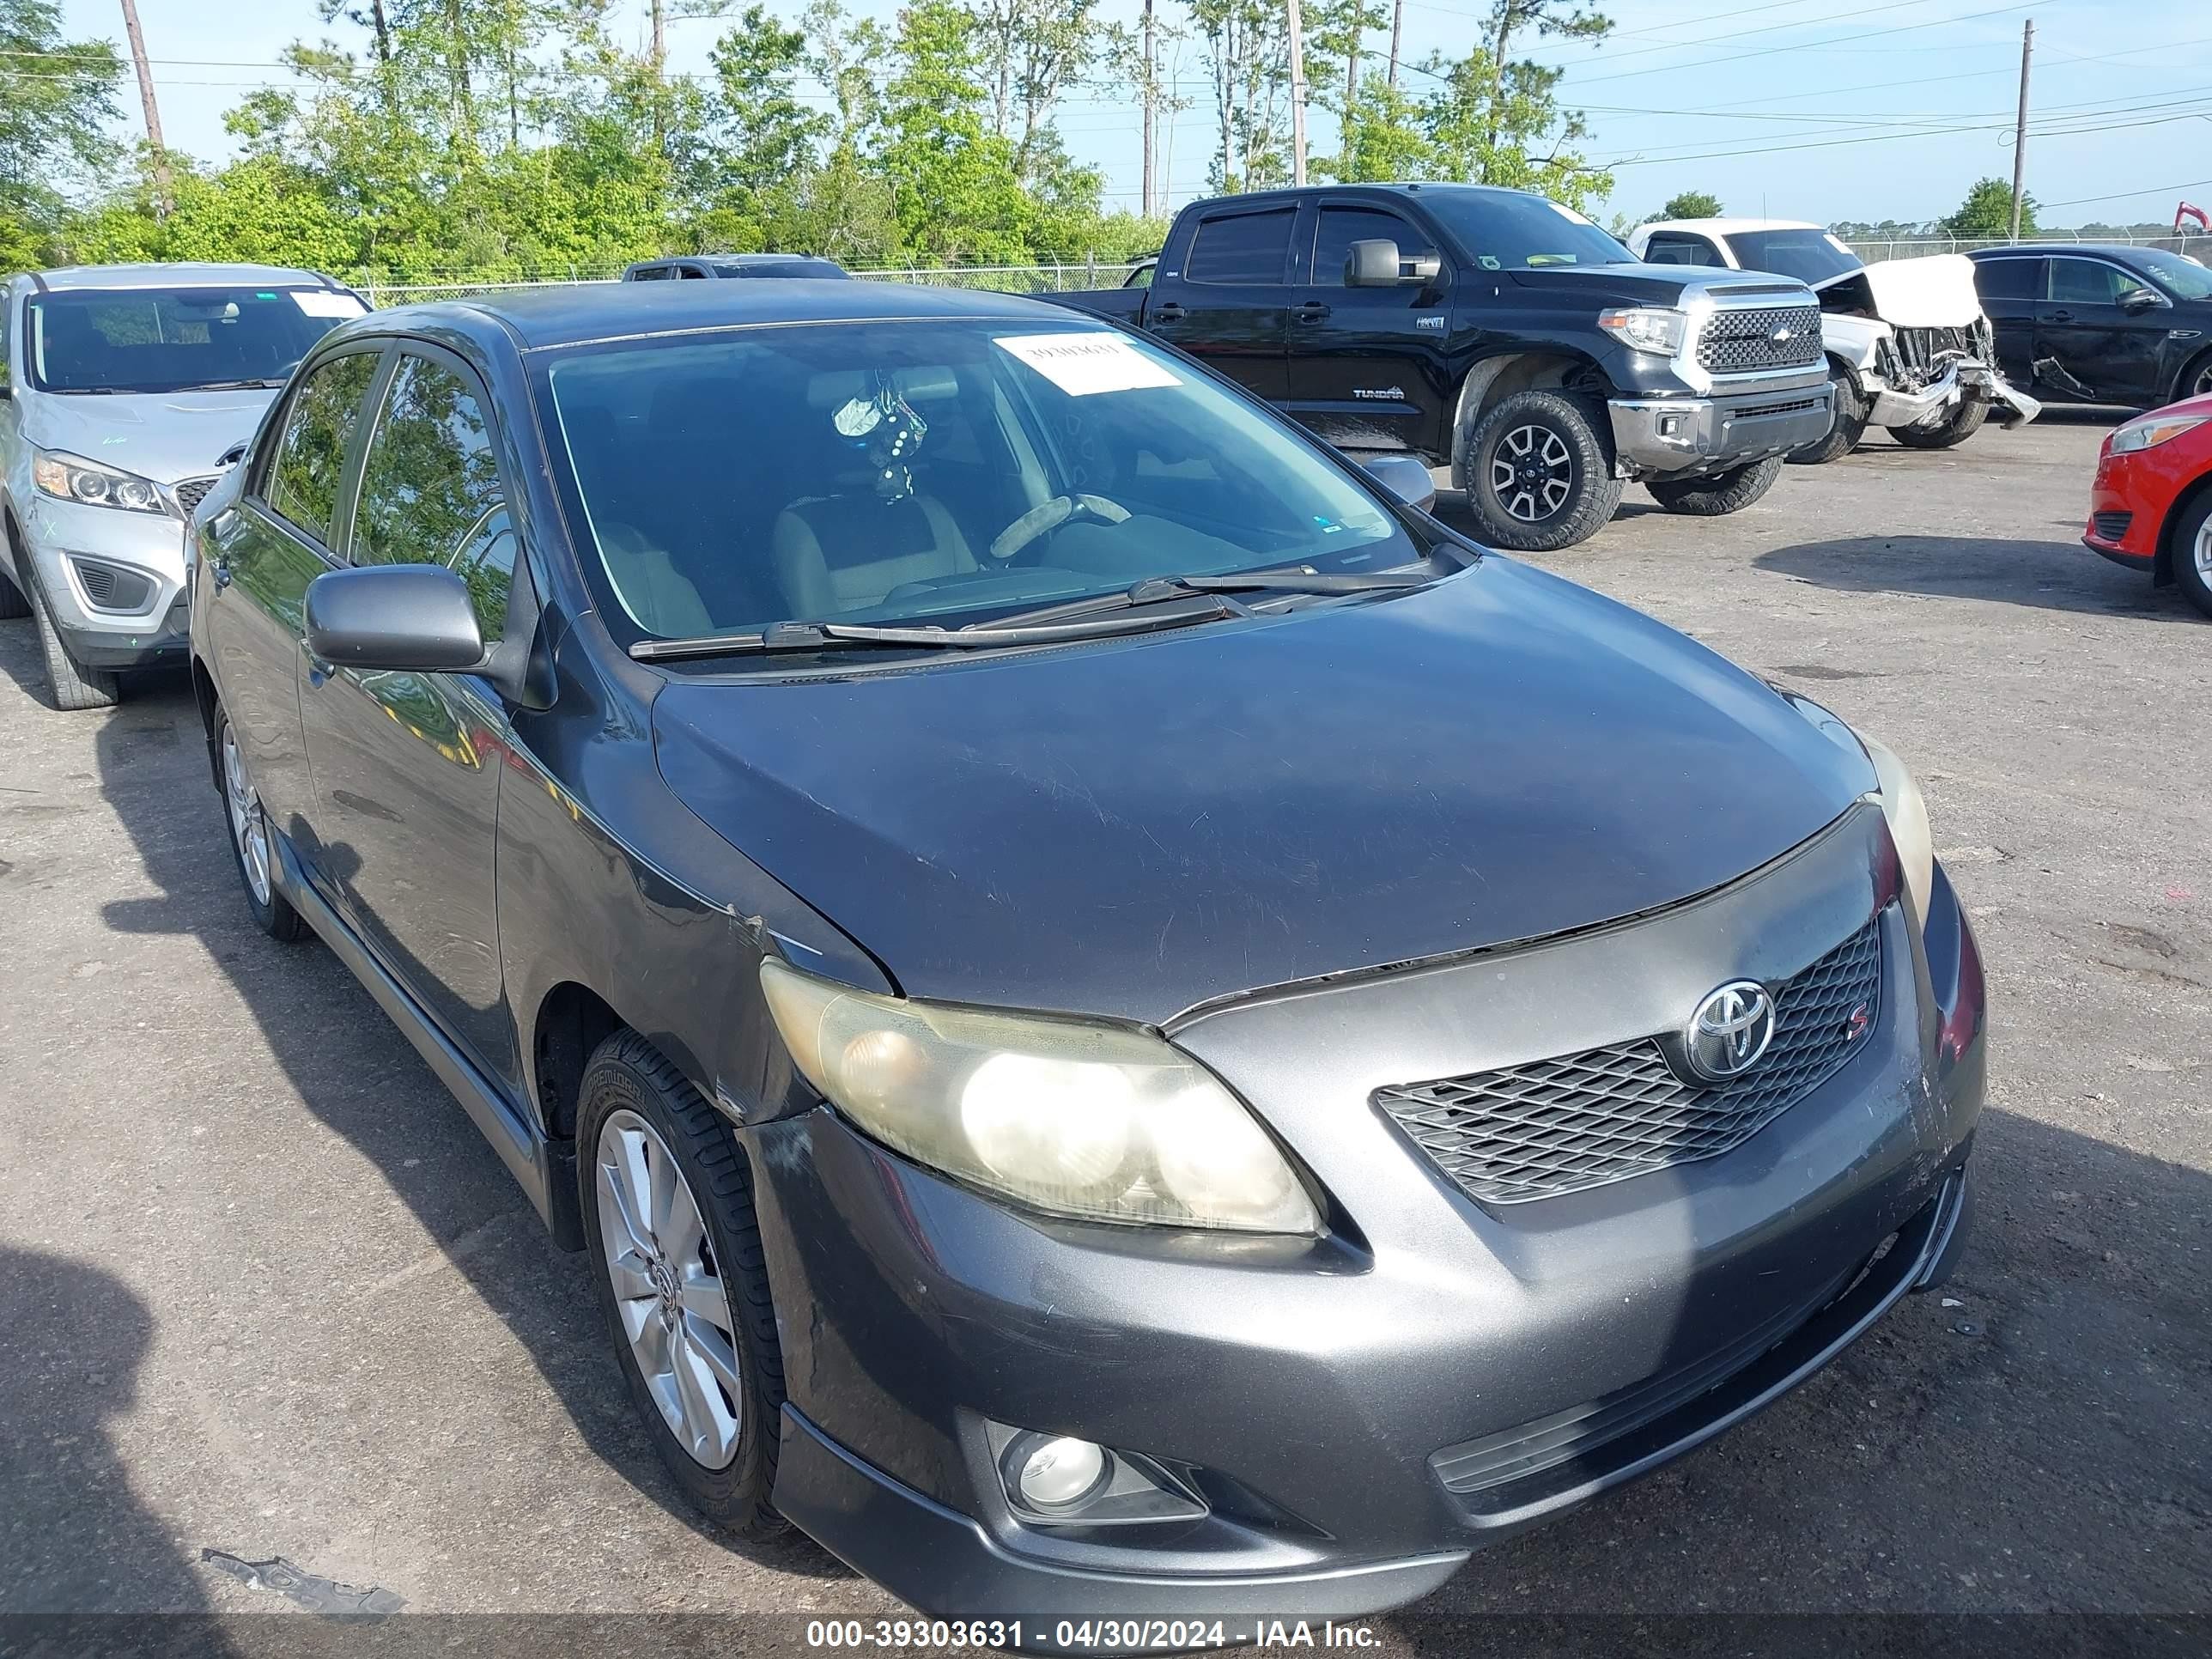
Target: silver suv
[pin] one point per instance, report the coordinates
(123, 390)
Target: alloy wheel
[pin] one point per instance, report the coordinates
(1532, 473)
(2203, 387)
(2200, 554)
(249, 824)
(668, 1290)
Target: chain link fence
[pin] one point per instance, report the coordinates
(1873, 251)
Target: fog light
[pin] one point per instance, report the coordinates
(1050, 1473)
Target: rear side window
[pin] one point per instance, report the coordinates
(1242, 248)
(2008, 279)
(302, 486)
(1340, 227)
(431, 491)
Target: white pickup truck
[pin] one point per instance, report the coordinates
(1907, 343)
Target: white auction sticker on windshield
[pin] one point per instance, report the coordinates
(1081, 364)
(323, 302)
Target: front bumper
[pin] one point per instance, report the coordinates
(1978, 382)
(1342, 1402)
(112, 581)
(1691, 437)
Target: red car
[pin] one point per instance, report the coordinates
(2151, 506)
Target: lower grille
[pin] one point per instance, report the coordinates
(114, 587)
(1795, 406)
(1741, 339)
(1578, 1120)
(193, 491)
(2111, 526)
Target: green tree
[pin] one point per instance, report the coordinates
(1692, 205)
(1987, 211)
(954, 182)
(57, 96)
(1493, 124)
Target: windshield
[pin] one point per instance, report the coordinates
(2184, 279)
(1510, 230)
(1810, 256)
(174, 339)
(895, 471)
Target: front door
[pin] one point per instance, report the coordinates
(263, 554)
(2011, 291)
(1229, 304)
(407, 766)
(1366, 364)
(2089, 341)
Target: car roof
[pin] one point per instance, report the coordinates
(2108, 250)
(179, 274)
(1729, 227)
(541, 317)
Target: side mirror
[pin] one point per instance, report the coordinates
(407, 618)
(2139, 300)
(1371, 264)
(1405, 476)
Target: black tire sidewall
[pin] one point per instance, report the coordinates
(1848, 428)
(2186, 529)
(1593, 493)
(627, 1074)
(1718, 494)
(74, 688)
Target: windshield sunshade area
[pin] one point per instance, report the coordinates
(1810, 256)
(1509, 230)
(933, 473)
(124, 340)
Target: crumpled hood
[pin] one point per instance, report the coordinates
(162, 436)
(1933, 291)
(1133, 828)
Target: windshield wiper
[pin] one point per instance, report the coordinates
(1153, 590)
(821, 637)
(264, 385)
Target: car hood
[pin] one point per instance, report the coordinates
(1936, 291)
(164, 436)
(1662, 285)
(1131, 829)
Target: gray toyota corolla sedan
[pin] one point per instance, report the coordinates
(1132, 1025)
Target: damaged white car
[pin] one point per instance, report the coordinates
(1908, 344)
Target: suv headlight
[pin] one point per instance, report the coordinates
(1656, 329)
(1095, 1121)
(2153, 430)
(72, 478)
(1907, 812)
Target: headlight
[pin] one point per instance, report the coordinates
(73, 479)
(1094, 1121)
(1901, 804)
(1647, 328)
(2153, 430)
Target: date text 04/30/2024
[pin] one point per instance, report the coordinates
(1087, 1635)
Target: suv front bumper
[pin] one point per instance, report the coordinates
(113, 582)
(1691, 437)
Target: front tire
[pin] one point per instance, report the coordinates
(253, 841)
(2192, 553)
(1537, 468)
(2194, 381)
(74, 689)
(1851, 423)
(1960, 424)
(1720, 493)
(668, 1202)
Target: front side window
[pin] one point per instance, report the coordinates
(1242, 249)
(1340, 227)
(167, 340)
(302, 486)
(908, 472)
(2089, 282)
(431, 491)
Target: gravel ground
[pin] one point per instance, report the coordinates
(264, 1291)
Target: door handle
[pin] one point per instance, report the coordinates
(2062, 316)
(1312, 311)
(1169, 312)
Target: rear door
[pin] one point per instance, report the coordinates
(264, 553)
(2089, 343)
(1366, 365)
(1228, 304)
(407, 766)
(2011, 290)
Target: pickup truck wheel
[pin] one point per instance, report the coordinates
(2192, 553)
(1539, 472)
(1960, 424)
(1720, 493)
(1850, 424)
(668, 1201)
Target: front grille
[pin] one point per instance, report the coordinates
(113, 586)
(1741, 339)
(2111, 526)
(1583, 1120)
(193, 491)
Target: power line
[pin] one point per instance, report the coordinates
(1809, 45)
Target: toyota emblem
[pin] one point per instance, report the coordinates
(1729, 1033)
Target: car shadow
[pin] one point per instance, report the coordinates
(1451, 507)
(2047, 575)
(369, 1087)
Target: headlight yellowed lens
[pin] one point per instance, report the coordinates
(1907, 812)
(1076, 1119)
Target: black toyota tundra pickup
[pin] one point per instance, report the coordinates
(1500, 332)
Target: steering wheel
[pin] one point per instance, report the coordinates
(1050, 515)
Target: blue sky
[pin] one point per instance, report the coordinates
(1775, 106)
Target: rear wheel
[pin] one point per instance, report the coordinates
(1850, 424)
(1964, 420)
(74, 688)
(252, 841)
(1539, 472)
(1721, 493)
(2192, 553)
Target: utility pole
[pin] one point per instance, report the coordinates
(1151, 91)
(1298, 97)
(1397, 27)
(2020, 128)
(153, 110)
